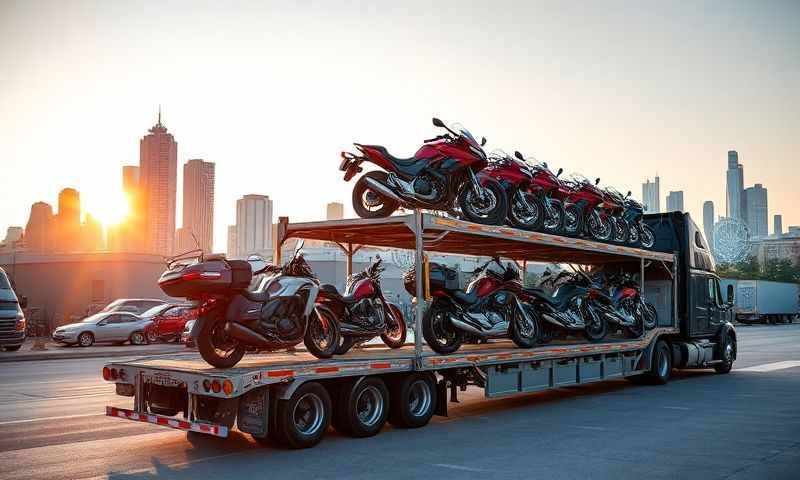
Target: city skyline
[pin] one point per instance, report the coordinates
(634, 116)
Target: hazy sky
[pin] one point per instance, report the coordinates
(272, 92)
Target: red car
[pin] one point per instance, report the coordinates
(169, 324)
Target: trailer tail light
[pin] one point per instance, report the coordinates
(207, 385)
(113, 374)
(216, 386)
(227, 387)
(106, 373)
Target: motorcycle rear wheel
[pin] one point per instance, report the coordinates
(491, 210)
(596, 326)
(321, 342)
(371, 204)
(528, 336)
(438, 332)
(214, 345)
(395, 338)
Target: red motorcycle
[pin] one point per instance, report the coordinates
(440, 176)
(489, 308)
(583, 209)
(529, 188)
(363, 312)
(614, 207)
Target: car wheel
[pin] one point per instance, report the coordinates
(138, 338)
(85, 339)
(152, 337)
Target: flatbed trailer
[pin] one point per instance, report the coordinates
(291, 397)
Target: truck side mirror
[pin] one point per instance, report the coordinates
(730, 294)
(23, 302)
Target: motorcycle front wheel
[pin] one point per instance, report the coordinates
(525, 211)
(650, 316)
(572, 220)
(395, 334)
(524, 332)
(490, 209)
(646, 235)
(633, 235)
(215, 346)
(367, 202)
(596, 326)
(438, 332)
(600, 228)
(553, 220)
(320, 339)
(620, 230)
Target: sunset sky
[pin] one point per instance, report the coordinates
(273, 91)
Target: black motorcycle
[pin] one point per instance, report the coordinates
(362, 312)
(639, 233)
(250, 305)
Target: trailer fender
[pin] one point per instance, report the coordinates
(284, 391)
(647, 356)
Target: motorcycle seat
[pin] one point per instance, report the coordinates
(559, 300)
(330, 291)
(411, 166)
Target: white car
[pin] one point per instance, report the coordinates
(114, 327)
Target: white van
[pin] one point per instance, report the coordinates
(12, 319)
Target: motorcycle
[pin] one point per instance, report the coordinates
(363, 313)
(626, 294)
(441, 175)
(529, 188)
(568, 309)
(639, 233)
(613, 303)
(250, 305)
(582, 209)
(613, 207)
(489, 308)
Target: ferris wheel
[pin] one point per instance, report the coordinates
(731, 241)
(404, 259)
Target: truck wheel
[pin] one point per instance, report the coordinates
(412, 401)
(362, 406)
(661, 365)
(728, 353)
(303, 419)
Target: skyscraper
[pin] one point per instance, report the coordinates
(254, 226)
(40, 230)
(675, 201)
(651, 195)
(68, 221)
(198, 205)
(708, 222)
(231, 250)
(777, 225)
(734, 197)
(158, 171)
(757, 217)
(335, 211)
(130, 179)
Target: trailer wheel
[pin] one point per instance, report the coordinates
(413, 400)
(661, 365)
(728, 353)
(362, 405)
(303, 419)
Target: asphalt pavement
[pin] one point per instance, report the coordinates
(745, 425)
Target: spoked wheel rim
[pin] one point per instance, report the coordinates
(482, 206)
(600, 229)
(552, 218)
(224, 347)
(526, 328)
(369, 406)
(394, 331)
(571, 219)
(649, 315)
(647, 238)
(152, 337)
(633, 234)
(419, 398)
(322, 337)
(523, 214)
(308, 414)
(85, 339)
(443, 333)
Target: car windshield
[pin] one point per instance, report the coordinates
(157, 310)
(4, 282)
(93, 318)
(112, 305)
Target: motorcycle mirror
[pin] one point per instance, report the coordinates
(298, 246)
(597, 181)
(519, 155)
(483, 141)
(560, 171)
(544, 164)
(438, 123)
(629, 194)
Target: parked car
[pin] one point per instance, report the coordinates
(186, 336)
(168, 323)
(12, 318)
(133, 305)
(115, 327)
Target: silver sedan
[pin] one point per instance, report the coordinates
(114, 327)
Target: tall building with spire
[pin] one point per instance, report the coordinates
(651, 195)
(734, 188)
(198, 206)
(158, 172)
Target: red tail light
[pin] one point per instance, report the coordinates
(216, 386)
(106, 373)
(197, 275)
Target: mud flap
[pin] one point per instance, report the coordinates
(441, 398)
(253, 415)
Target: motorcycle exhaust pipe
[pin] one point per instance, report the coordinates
(383, 189)
(247, 335)
(501, 329)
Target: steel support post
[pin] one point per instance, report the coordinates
(349, 253)
(419, 309)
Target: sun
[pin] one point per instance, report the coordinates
(111, 209)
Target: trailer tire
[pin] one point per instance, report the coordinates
(413, 400)
(303, 419)
(728, 354)
(660, 365)
(362, 405)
